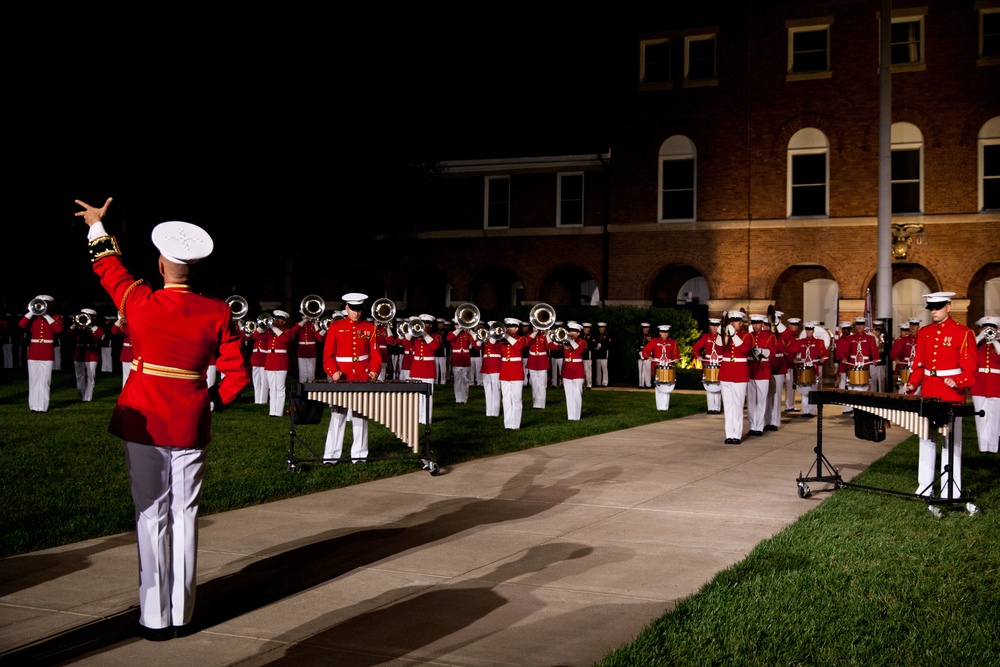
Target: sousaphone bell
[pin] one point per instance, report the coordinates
(467, 316)
(542, 316)
(312, 306)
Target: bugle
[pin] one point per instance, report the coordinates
(417, 327)
(325, 323)
(990, 333)
(238, 306)
(403, 330)
(467, 316)
(481, 332)
(498, 330)
(383, 311)
(542, 316)
(38, 307)
(248, 326)
(560, 336)
(82, 320)
(265, 320)
(312, 306)
(724, 328)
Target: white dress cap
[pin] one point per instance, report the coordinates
(586, 324)
(354, 298)
(424, 317)
(280, 313)
(664, 327)
(860, 320)
(644, 324)
(182, 242)
(575, 326)
(914, 320)
(714, 320)
(989, 320)
(601, 324)
(757, 317)
(937, 300)
(89, 311)
(45, 297)
(904, 325)
(794, 320)
(845, 325)
(512, 321)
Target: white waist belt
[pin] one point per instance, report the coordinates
(571, 360)
(42, 340)
(307, 342)
(990, 370)
(739, 360)
(347, 360)
(491, 356)
(944, 373)
(538, 354)
(279, 351)
(126, 344)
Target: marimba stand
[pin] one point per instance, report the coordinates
(301, 393)
(936, 413)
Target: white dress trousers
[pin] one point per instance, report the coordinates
(510, 392)
(574, 398)
(335, 434)
(491, 384)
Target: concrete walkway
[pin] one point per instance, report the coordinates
(552, 556)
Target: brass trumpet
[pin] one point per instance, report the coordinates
(467, 316)
(82, 320)
(325, 323)
(238, 306)
(38, 307)
(560, 335)
(417, 327)
(481, 332)
(383, 311)
(498, 330)
(248, 326)
(312, 306)
(990, 333)
(542, 316)
(403, 330)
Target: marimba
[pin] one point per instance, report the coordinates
(923, 416)
(394, 404)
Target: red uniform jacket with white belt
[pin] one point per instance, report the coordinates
(491, 358)
(945, 350)
(781, 359)
(765, 340)
(43, 336)
(126, 355)
(538, 352)
(261, 344)
(511, 366)
(862, 349)
(277, 347)
(350, 348)
(988, 373)
(307, 340)
(704, 349)
(572, 368)
(734, 366)
(808, 352)
(661, 350)
(902, 348)
(88, 342)
(422, 366)
(175, 336)
(461, 343)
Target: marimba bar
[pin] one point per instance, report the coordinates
(395, 405)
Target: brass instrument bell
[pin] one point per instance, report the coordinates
(82, 320)
(542, 316)
(467, 316)
(265, 320)
(383, 311)
(238, 306)
(38, 307)
(312, 306)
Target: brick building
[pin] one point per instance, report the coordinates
(743, 172)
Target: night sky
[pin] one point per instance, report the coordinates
(259, 126)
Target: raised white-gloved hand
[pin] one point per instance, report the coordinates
(29, 315)
(730, 330)
(781, 327)
(511, 339)
(276, 330)
(996, 346)
(981, 336)
(427, 338)
(48, 318)
(764, 353)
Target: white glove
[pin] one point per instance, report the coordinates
(996, 346)
(408, 336)
(511, 339)
(737, 341)
(981, 336)
(573, 344)
(428, 339)
(598, 346)
(29, 315)
(765, 353)
(48, 318)
(640, 356)
(730, 330)
(781, 327)
(276, 330)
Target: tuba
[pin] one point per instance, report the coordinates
(38, 307)
(238, 306)
(467, 316)
(82, 320)
(383, 311)
(312, 306)
(542, 316)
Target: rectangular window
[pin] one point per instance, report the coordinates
(497, 201)
(809, 184)
(654, 66)
(809, 49)
(989, 34)
(991, 177)
(906, 41)
(699, 58)
(570, 200)
(678, 189)
(906, 181)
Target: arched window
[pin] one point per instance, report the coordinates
(907, 169)
(678, 179)
(808, 174)
(989, 165)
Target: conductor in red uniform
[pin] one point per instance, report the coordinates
(349, 355)
(944, 366)
(163, 412)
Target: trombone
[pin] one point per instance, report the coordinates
(383, 311)
(38, 307)
(238, 306)
(542, 316)
(467, 316)
(312, 306)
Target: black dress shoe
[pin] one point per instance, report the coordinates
(770, 427)
(756, 433)
(156, 634)
(179, 631)
(732, 441)
(808, 416)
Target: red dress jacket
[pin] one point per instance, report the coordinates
(538, 352)
(43, 336)
(491, 358)
(661, 350)
(704, 349)
(765, 340)
(511, 366)
(572, 368)
(87, 343)
(277, 347)
(126, 354)
(422, 366)
(175, 336)
(988, 374)
(734, 366)
(949, 348)
(461, 344)
(349, 348)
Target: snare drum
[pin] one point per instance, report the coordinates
(710, 374)
(805, 376)
(858, 377)
(666, 375)
(904, 374)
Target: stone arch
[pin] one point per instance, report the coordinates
(561, 287)
(984, 279)
(784, 134)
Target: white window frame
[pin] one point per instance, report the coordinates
(486, 202)
(808, 25)
(986, 7)
(912, 16)
(810, 145)
(907, 137)
(655, 85)
(989, 135)
(672, 149)
(560, 222)
(706, 81)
